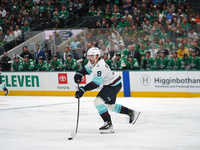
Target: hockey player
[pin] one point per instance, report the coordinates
(176, 63)
(162, 61)
(105, 100)
(29, 64)
(71, 63)
(148, 63)
(123, 50)
(55, 64)
(193, 61)
(108, 61)
(132, 63)
(3, 87)
(18, 65)
(121, 63)
(42, 65)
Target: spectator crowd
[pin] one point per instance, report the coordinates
(132, 35)
(20, 16)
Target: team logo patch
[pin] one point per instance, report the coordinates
(62, 78)
(83, 81)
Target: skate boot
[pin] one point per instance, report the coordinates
(6, 92)
(133, 116)
(106, 128)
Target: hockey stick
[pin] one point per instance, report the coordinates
(73, 134)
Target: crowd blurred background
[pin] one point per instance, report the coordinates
(131, 34)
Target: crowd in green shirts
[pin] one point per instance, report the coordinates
(54, 65)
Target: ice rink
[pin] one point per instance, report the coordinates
(45, 123)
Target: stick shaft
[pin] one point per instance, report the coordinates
(77, 113)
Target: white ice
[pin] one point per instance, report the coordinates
(45, 123)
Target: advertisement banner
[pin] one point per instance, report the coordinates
(165, 81)
(44, 81)
(66, 34)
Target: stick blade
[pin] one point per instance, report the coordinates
(73, 134)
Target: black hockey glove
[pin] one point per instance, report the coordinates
(79, 92)
(78, 77)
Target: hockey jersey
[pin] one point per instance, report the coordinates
(148, 64)
(193, 63)
(43, 66)
(134, 65)
(31, 65)
(177, 64)
(110, 64)
(102, 75)
(18, 66)
(162, 63)
(71, 65)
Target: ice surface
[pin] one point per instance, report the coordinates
(46, 123)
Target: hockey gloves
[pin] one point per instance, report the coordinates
(78, 77)
(79, 92)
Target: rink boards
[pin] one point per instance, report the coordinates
(135, 84)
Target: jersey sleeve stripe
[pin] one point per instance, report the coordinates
(97, 80)
(88, 70)
(95, 84)
(116, 81)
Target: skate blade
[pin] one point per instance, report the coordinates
(133, 122)
(107, 131)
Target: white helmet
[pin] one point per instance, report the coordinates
(93, 51)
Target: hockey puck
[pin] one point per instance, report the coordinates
(70, 138)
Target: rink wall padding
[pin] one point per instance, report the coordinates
(134, 84)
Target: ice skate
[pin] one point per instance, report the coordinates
(133, 116)
(106, 128)
(6, 92)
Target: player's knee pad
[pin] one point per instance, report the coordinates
(110, 107)
(98, 101)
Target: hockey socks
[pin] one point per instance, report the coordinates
(103, 111)
(121, 109)
(3, 87)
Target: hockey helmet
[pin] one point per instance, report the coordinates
(93, 51)
(16, 57)
(55, 55)
(162, 52)
(147, 52)
(130, 56)
(105, 53)
(193, 51)
(69, 55)
(175, 52)
(118, 54)
(41, 57)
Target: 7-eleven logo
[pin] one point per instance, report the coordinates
(83, 81)
(62, 78)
